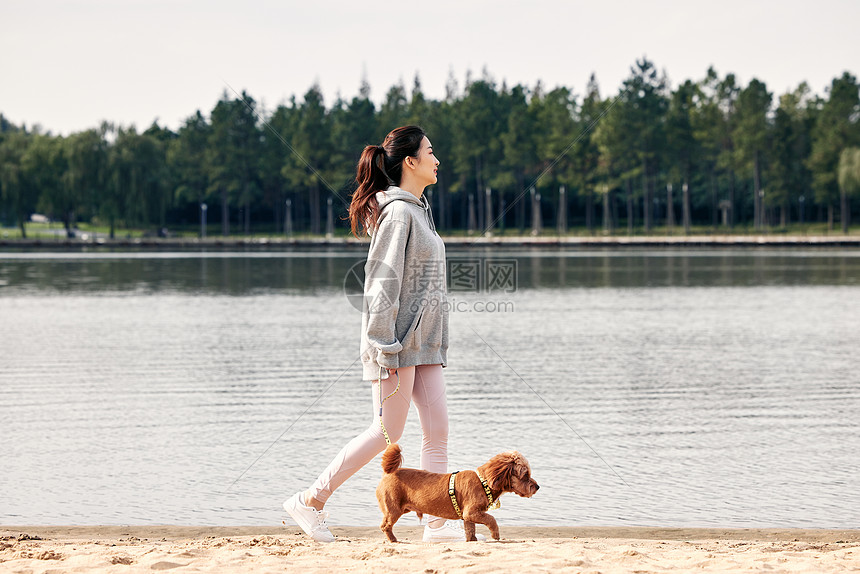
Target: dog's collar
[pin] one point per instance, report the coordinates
(451, 493)
(490, 504)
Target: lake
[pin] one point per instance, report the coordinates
(670, 387)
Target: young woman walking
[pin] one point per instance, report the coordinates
(404, 338)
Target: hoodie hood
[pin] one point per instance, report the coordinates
(394, 193)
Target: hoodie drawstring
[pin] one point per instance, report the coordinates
(428, 213)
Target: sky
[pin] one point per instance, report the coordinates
(68, 65)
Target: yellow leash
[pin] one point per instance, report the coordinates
(382, 401)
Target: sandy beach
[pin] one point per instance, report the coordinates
(41, 549)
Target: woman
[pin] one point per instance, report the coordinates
(404, 338)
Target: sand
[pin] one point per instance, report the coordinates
(277, 549)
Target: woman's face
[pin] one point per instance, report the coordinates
(425, 165)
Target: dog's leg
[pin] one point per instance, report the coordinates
(471, 516)
(469, 528)
(387, 525)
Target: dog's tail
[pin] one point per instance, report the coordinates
(392, 459)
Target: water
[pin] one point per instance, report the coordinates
(668, 388)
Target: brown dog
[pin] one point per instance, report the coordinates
(402, 490)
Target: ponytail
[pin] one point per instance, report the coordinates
(379, 167)
(371, 177)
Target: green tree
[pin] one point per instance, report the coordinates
(472, 146)
(632, 137)
(727, 98)
(140, 177)
(6, 126)
(124, 178)
(44, 167)
(556, 122)
(17, 195)
(219, 157)
(277, 157)
(394, 111)
(789, 176)
(617, 164)
(585, 155)
(311, 146)
(751, 137)
(836, 129)
(338, 170)
(682, 145)
(519, 153)
(353, 126)
(186, 160)
(232, 158)
(86, 174)
(158, 184)
(708, 125)
(419, 108)
(113, 203)
(643, 110)
(849, 182)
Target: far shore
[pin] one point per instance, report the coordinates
(458, 241)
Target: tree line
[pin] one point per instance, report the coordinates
(707, 153)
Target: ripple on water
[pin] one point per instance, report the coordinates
(669, 406)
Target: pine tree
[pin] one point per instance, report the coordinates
(836, 129)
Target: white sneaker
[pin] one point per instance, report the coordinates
(450, 531)
(311, 520)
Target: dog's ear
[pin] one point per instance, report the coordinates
(521, 466)
(500, 471)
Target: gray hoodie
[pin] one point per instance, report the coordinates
(405, 316)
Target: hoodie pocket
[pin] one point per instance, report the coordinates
(412, 337)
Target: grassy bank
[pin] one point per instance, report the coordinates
(48, 232)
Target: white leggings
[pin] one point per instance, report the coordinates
(423, 384)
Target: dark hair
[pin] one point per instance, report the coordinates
(379, 167)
